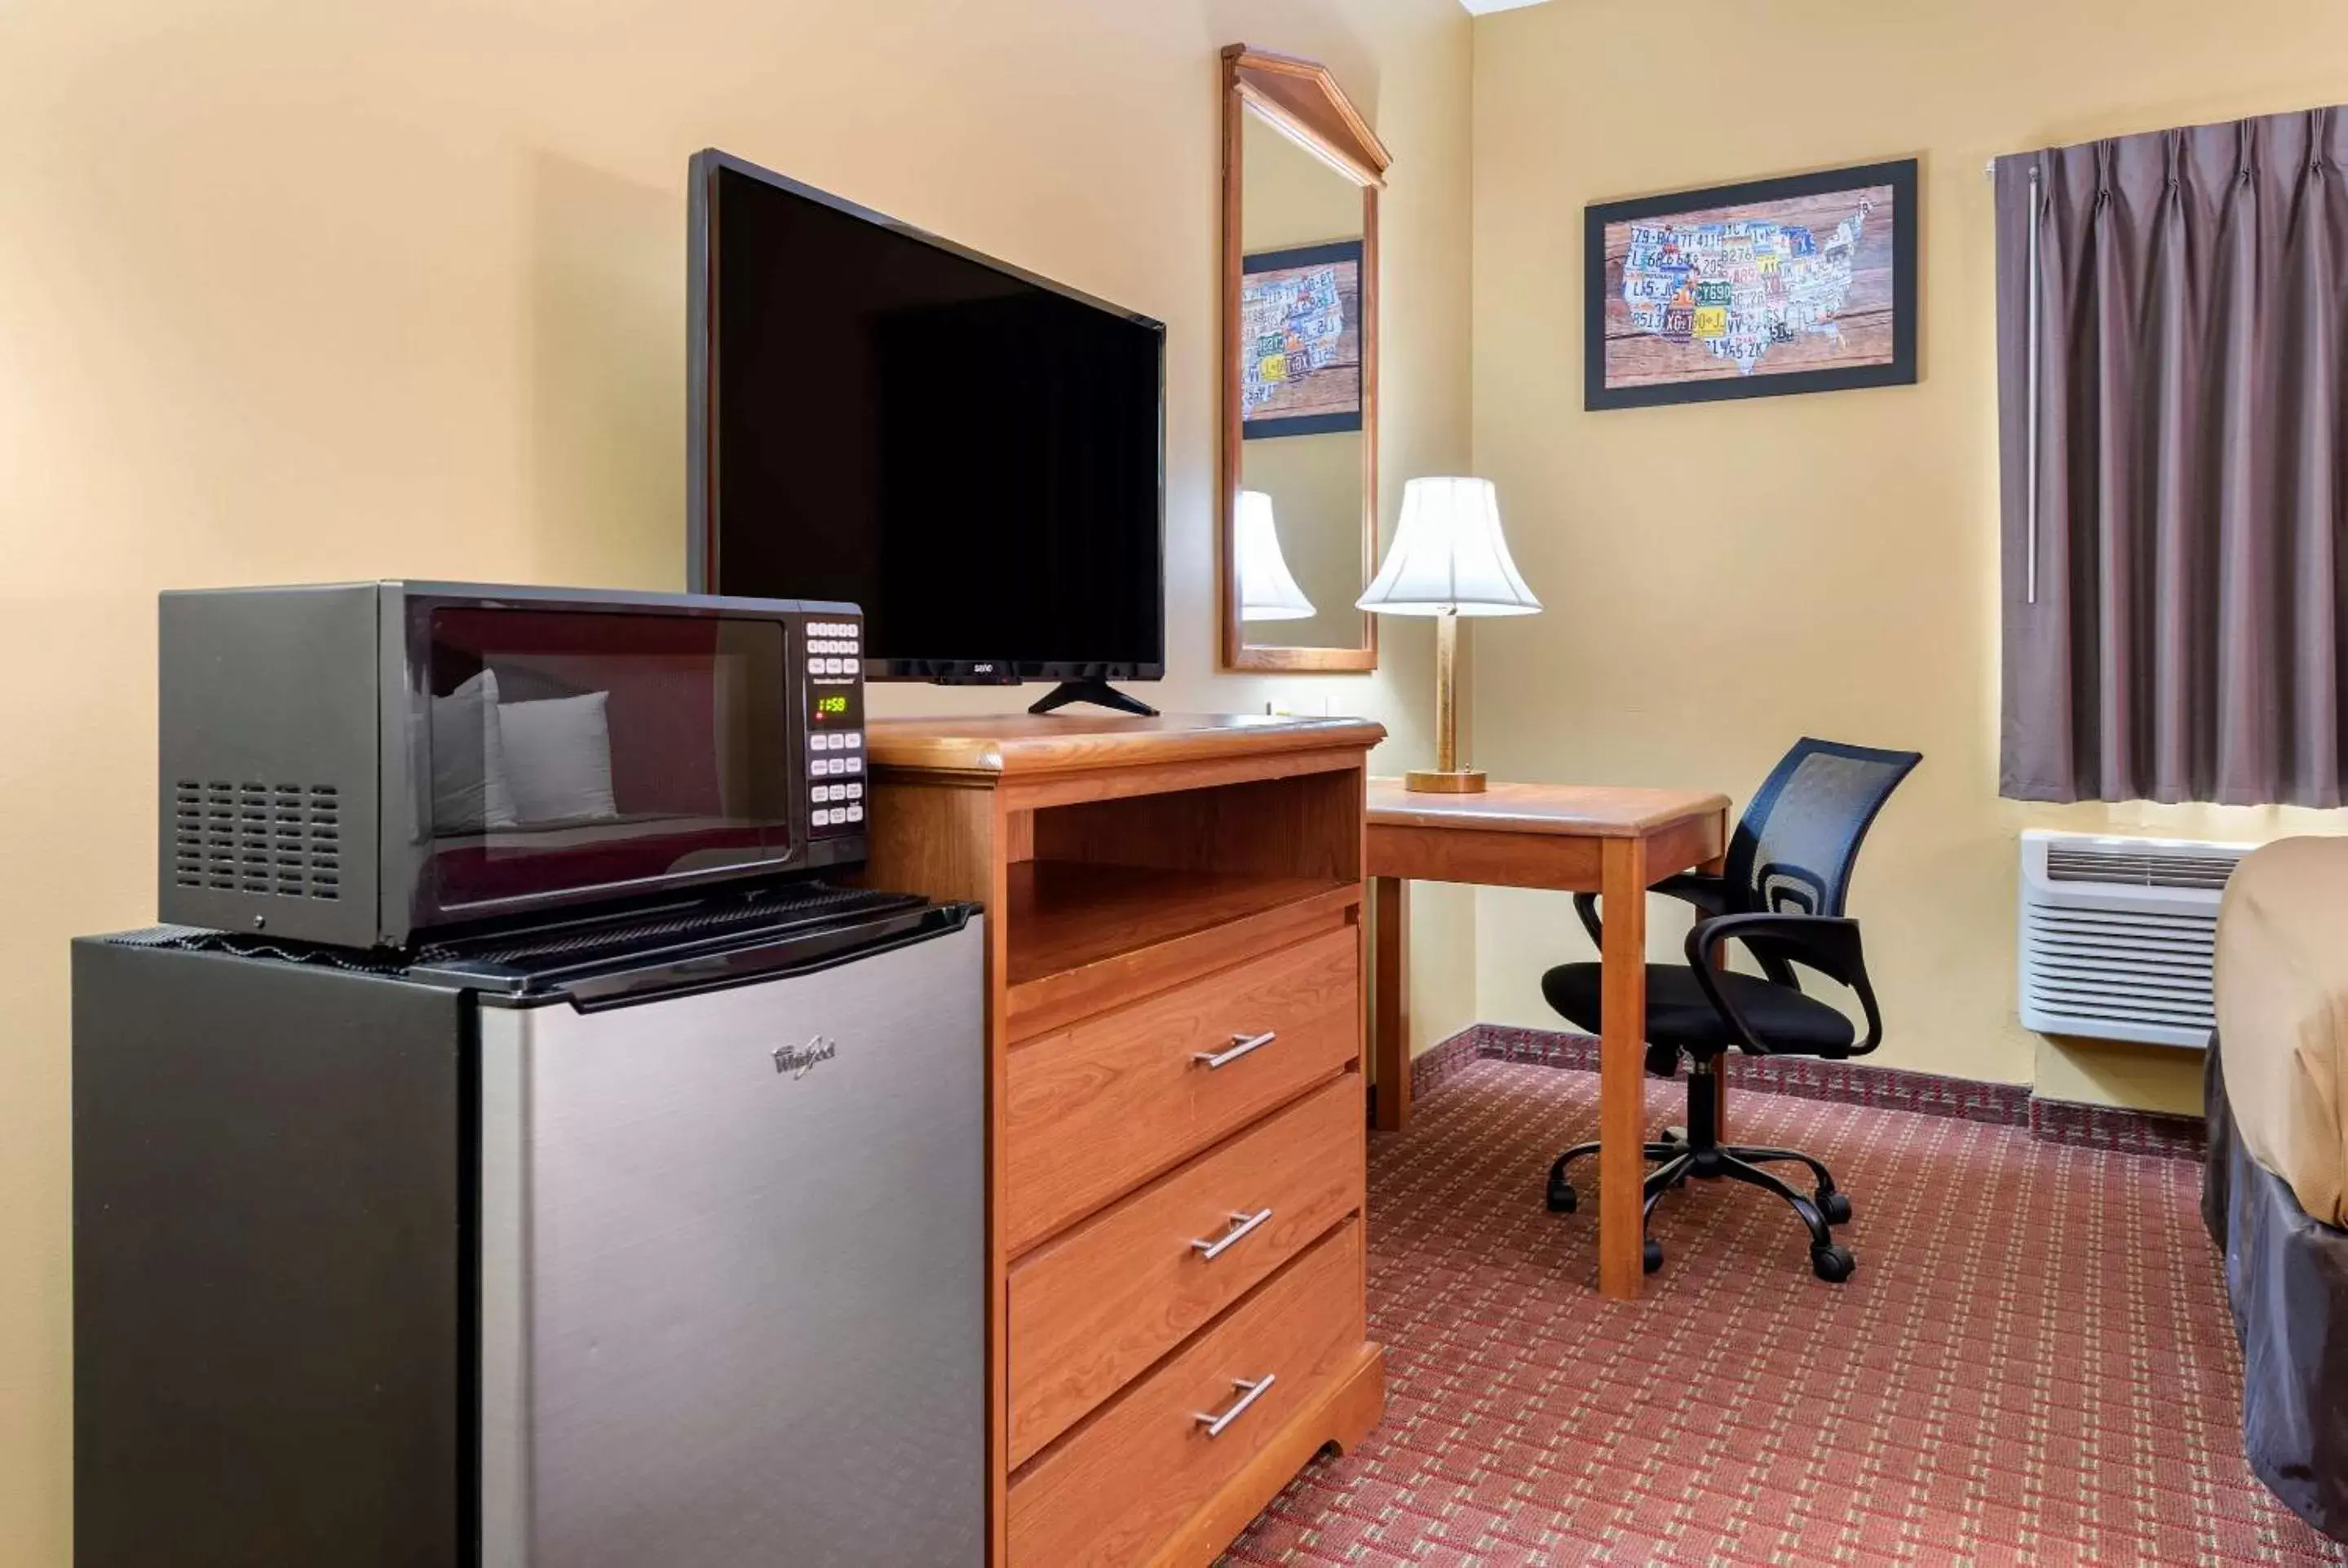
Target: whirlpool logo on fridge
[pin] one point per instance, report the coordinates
(798, 1060)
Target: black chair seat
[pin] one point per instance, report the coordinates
(1680, 1017)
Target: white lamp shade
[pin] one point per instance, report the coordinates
(1268, 592)
(1448, 555)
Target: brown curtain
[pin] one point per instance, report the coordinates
(2189, 628)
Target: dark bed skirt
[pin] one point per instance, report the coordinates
(2287, 1276)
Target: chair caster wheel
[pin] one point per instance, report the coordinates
(1651, 1256)
(1835, 1207)
(1832, 1263)
(1561, 1200)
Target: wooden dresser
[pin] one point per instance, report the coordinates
(1176, 1122)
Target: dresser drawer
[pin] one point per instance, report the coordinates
(1093, 1110)
(1123, 1482)
(1092, 1309)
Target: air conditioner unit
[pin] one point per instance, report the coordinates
(2119, 935)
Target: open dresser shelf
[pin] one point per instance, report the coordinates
(1081, 935)
(1174, 1036)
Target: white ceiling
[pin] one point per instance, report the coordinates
(1485, 7)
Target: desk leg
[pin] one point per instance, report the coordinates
(1390, 1000)
(1622, 1086)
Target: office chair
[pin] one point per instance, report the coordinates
(1781, 894)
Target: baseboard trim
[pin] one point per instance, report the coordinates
(1433, 1067)
(2119, 1129)
(2108, 1127)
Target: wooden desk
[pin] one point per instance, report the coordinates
(1572, 839)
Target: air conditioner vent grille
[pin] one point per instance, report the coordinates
(2139, 869)
(2122, 971)
(280, 839)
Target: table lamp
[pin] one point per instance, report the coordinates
(1448, 560)
(1268, 590)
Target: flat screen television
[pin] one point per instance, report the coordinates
(973, 454)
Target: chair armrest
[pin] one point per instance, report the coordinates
(1827, 943)
(1707, 892)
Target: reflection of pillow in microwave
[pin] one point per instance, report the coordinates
(557, 758)
(531, 680)
(469, 767)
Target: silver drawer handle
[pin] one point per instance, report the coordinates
(1241, 1045)
(1250, 1393)
(1241, 1225)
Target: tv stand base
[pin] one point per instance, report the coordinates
(1100, 693)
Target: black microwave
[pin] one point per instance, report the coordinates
(362, 763)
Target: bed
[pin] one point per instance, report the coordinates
(2275, 1195)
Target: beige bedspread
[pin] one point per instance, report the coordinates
(2283, 1012)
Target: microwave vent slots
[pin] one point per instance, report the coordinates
(249, 836)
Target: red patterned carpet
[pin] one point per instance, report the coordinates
(2033, 1364)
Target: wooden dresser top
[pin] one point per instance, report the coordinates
(1017, 744)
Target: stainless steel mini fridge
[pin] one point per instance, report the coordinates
(648, 1241)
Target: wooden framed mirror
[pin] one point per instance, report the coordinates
(1298, 508)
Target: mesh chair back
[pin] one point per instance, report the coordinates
(1793, 849)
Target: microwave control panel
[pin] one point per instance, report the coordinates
(835, 729)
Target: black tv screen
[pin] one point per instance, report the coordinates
(974, 455)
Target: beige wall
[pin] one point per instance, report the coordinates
(297, 291)
(1722, 579)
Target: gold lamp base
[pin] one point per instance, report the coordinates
(1443, 781)
(1446, 776)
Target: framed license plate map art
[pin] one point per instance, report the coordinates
(1301, 341)
(1801, 285)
